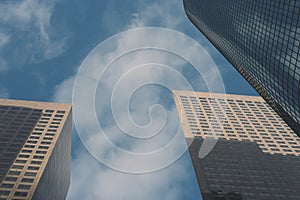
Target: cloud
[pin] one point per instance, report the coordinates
(3, 65)
(28, 25)
(3, 92)
(126, 76)
(96, 182)
(167, 14)
(4, 39)
(63, 91)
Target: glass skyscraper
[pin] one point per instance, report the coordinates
(261, 39)
(35, 150)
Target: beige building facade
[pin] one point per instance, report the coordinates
(35, 149)
(255, 154)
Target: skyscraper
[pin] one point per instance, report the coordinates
(261, 39)
(35, 150)
(256, 155)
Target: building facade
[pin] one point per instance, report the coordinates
(35, 150)
(261, 39)
(256, 155)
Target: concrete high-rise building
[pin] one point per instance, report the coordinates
(256, 154)
(261, 39)
(35, 150)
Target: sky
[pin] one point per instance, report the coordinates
(99, 55)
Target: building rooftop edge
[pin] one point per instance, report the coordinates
(34, 104)
(218, 95)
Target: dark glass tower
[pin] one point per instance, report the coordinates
(261, 39)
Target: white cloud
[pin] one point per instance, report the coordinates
(169, 14)
(63, 92)
(90, 180)
(28, 25)
(94, 182)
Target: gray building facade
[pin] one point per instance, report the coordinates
(261, 39)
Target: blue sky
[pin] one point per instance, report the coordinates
(42, 46)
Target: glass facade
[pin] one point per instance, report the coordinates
(241, 167)
(261, 38)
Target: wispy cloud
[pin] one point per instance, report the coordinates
(3, 65)
(4, 39)
(3, 92)
(28, 25)
(167, 14)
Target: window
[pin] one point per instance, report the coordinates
(29, 146)
(23, 156)
(4, 192)
(43, 142)
(61, 111)
(34, 137)
(39, 129)
(38, 157)
(14, 173)
(31, 141)
(33, 168)
(24, 187)
(45, 118)
(11, 179)
(26, 151)
(34, 162)
(20, 161)
(6, 185)
(41, 152)
(17, 167)
(47, 138)
(59, 116)
(30, 173)
(27, 180)
(41, 125)
(53, 134)
(43, 147)
(20, 194)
